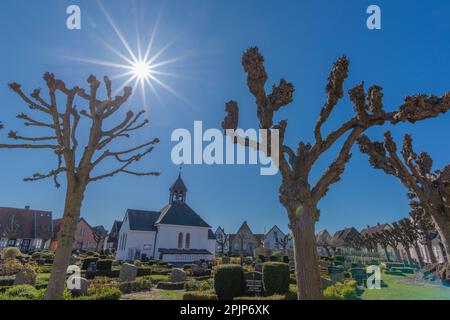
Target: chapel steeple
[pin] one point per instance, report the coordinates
(178, 191)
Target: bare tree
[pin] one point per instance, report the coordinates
(432, 188)
(283, 242)
(383, 242)
(407, 235)
(222, 241)
(392, 241)
(78, 163)
(424, 227)
(296, 193)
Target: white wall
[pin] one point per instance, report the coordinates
(168, 237)
(270, 241)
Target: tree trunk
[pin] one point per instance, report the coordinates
(442, 225)
(74, 199)
(419, 255)
(429, 246)
(397, 254)
(386, 252)
(408, 255)
(309, 284)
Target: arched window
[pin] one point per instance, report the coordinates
(188, 240)
(180, 240)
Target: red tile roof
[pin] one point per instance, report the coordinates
(25, 223)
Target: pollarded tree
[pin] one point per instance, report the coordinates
(383, 242)
(432, 188)
(408, 237)
(297, 193)
(425, 228)
(76, 163)
(391, 240)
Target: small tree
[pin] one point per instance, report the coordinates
(78, 164)
(432, 188)
(407, 236)
(392, 241)
(283, 242)
(222, 241)
(383, 242)
(297, 193)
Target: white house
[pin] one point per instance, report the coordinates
(174, 234)
(277, 240)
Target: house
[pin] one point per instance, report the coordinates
(343, 237)
(85, 237)
(26, 229)
(113, 236)
(245, 241)
(175, 234)
(277, 240)
(222, 243)
(323, 238)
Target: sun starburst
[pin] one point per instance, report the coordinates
(143, 68)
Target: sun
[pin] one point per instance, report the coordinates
(141, 68)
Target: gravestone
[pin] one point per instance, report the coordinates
(258, 267)
(25, 277)
(178, 275)
(254, 283)
(324, 264)
(128, 272)
(83, 289)
(291, 264)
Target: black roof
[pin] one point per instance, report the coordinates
(178, 185)
(179, 213)
(211, 235)
(184, 251)
(141, 220)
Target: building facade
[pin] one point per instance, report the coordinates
(27, 229)
(85, 237)
(175, 234)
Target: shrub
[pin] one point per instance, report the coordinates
(21, 292)
(144, 272)
(141, 284)
(195, 285)
(104, 264)
(36, 255)
(199, 295)
(276, 277)
(10, 253)
(341, 291)
(229, 281)
(6, 281)
(170, 285)
(10, 267)
(106, 293)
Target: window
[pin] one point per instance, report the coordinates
(188, 240)
(180, 240)
(82, 232)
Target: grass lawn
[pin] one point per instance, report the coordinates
(155, 294)
(403, 288)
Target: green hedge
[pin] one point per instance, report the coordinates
(276, 277)
(104, 264)
(163, 285)
(141, 284)
(199, 295)
(102, 273)
(142, 271)
(229, 281)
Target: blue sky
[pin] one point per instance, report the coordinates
(299, 39)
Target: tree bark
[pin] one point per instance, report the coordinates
(419, 255)
(442, 224)
(408, 255)
(386, 252)
(429, 246)
(74, 199)
(309, 284)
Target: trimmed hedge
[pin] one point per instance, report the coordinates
(229, 281)
(163, 285)
(144, 272)
(102, 273)
(199, 295)
(276, 277)
(142, 284)
(104, 264)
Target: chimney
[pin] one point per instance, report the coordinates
(378, 224)
(27, 207)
